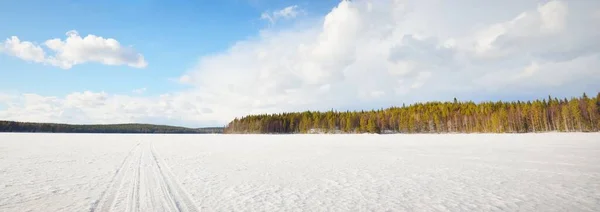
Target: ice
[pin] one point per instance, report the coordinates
(455, 172)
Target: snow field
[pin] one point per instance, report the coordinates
(457, 172)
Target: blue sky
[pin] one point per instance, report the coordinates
(202, 63)
(172, 35)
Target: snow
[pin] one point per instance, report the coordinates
(457, 172)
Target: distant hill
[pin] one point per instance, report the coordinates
(13, 126)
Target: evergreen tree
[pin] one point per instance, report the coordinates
(552, 114)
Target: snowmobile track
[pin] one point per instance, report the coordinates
(144, 183)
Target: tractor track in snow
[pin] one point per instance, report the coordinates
(144, 183)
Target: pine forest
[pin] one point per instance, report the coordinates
(581, 114)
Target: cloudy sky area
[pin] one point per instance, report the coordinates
(203, 64)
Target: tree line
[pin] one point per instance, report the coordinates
(13, 126)
(578, 114)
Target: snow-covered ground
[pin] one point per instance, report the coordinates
(478, 172)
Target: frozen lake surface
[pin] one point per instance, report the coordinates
(477, 172)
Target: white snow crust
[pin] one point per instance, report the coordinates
(439, 172)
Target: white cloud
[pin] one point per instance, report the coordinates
(75, 50)
(501, 39)
(23, 49)
(530, 70)
(596, 15)
(553, 15)
(289, 12)
(139, 90)
(371, 54)
(577, 75)
(6, 98)
(184, 79)
(100, 107)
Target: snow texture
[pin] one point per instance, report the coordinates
(457, 172)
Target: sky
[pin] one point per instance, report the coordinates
(204, 63)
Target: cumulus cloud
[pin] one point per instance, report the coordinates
(289, 12)
(529, 31)
(23, 49)
(372, 54)
(74, 50)
(376, 53)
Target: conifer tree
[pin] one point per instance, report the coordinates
(552, 114)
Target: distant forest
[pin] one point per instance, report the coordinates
(580, 114)
(12, 126)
